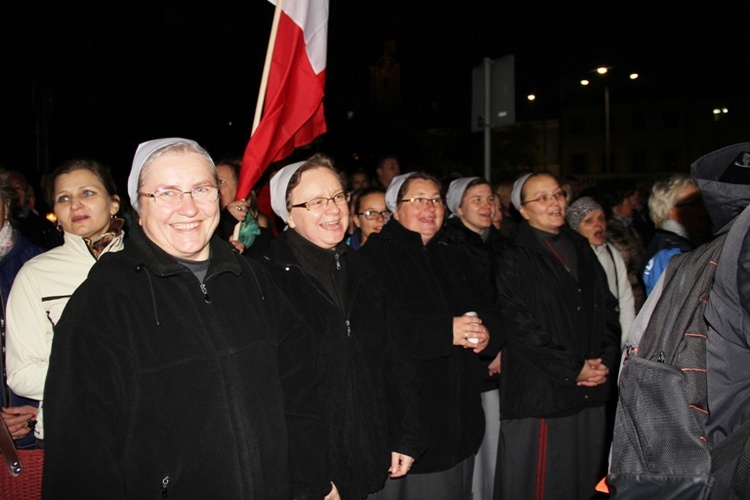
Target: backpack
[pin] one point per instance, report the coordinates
(659, 449)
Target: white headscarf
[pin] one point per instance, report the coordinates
(391, 194)
(142, 154)
(515, 195)
(456, 193)
(279, 185)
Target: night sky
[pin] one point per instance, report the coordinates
(117, 73)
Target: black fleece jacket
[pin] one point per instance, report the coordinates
(367, 384)
(158, 382)
(430, 285)
(553, 322)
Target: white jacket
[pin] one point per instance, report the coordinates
(619, 285)
(37, 298)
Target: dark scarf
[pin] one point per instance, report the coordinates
(326, 267)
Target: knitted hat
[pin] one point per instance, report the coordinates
(456, 193)
(515, 195)
(579, 209)
(142, 155)
(279, 185)
(391, 194)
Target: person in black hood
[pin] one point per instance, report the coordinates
(366, 383)
(723, 177)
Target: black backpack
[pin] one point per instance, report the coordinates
(659, 449)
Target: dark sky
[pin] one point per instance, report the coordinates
(122, 72)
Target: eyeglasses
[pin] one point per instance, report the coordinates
(546, 198)
(320, 204)
(374, 214)
(423, 202)
(173, 197)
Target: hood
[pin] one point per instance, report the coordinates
(723, 176)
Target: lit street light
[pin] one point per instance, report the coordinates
(603, 70)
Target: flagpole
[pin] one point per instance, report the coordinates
(266, 67)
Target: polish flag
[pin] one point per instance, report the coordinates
(293, 105)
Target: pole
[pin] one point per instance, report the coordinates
(487, 117)
(607, 131)
(266, 67)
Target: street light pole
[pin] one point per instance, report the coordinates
(607, 131)
(607, 120)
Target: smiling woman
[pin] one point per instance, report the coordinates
(164, 362)
(432, 283)
(562, 329)
(367, 385)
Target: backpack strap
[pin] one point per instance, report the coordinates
(736, 444)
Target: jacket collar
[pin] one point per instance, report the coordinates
(79, 246)
(395, 231)
(526, 238)
(280, 251)
(223, 259)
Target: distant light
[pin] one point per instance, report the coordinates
(350, 115)
(601, 70)
(724, 110)
(531, 97)
(230, 123)
(717, 111)
(584, 82)
(51, 217)
(633, 76)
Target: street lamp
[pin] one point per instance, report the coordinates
(603, 70)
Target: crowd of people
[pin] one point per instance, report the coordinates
(335, 336)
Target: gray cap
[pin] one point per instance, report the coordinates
(279, 184)
(515, 195)
(391, 194)
(579, 209)
(142, 155)
(456, 193)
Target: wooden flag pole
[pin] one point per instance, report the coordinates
(267, 67)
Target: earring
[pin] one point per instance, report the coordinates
(58, 226)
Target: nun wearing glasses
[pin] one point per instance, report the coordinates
(563, 337)
(433, 284)
(366, 383)
(179, 369)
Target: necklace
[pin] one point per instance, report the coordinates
(564, 261)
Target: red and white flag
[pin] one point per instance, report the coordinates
(293, 106)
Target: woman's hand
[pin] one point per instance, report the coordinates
(400, 464)
(17, 419)
(238, 209)
(496, 367)
(470, 333)
(593, 373)
(239, 247)
(334, 494)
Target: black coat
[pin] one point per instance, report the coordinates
(482, 253)
(155, 377)
(429, 286)
(367, 384)
(553, 322)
